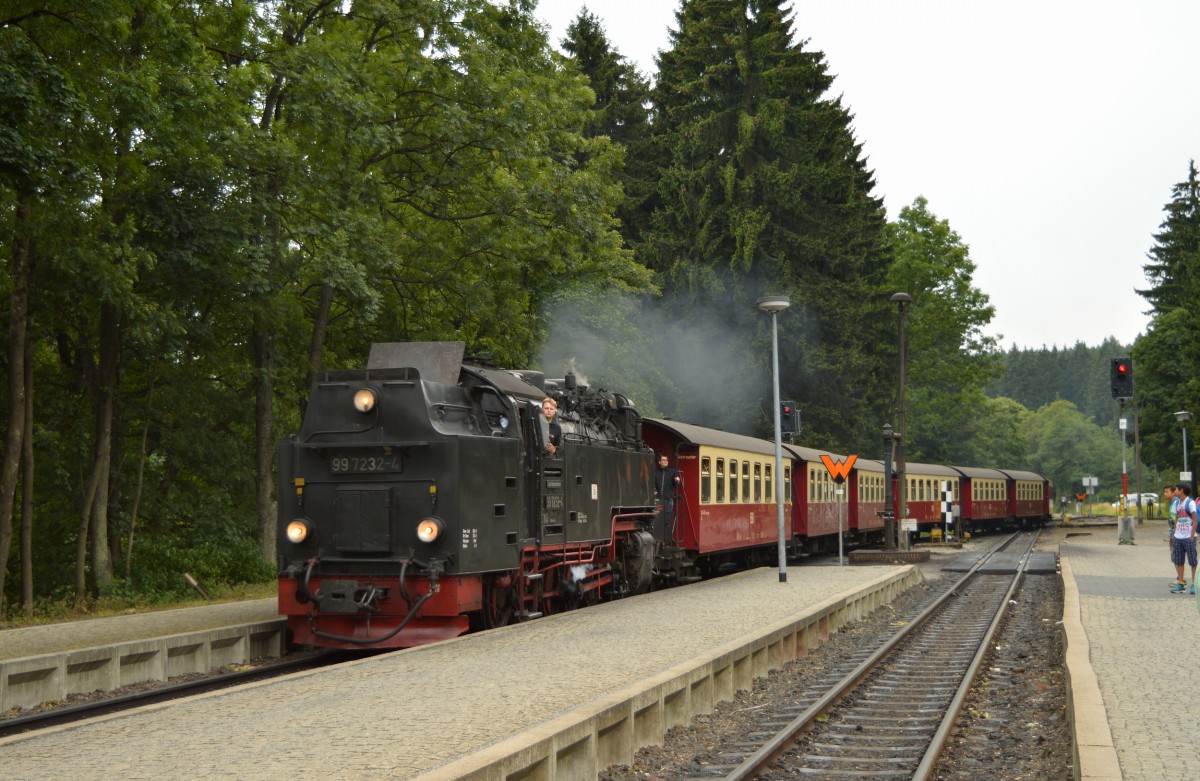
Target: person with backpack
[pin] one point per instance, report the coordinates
(1183, 538)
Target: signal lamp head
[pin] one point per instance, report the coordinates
(299, 530)
(364, 399)
(429, 529)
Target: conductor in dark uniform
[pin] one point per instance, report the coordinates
(666, 484)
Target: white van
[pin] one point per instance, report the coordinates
(1148, 500)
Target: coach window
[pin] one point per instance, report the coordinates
(757, 482)
(720, 480)
(705, 480)
(733, 480)
(746, 481)
(787, 484)
(768, 488)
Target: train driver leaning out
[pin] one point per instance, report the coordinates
(552, 431)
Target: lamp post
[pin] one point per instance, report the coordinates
(774, 305)
(889, 515)
(1183, 417)
(901, 300)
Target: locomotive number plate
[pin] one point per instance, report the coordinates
(355, 464)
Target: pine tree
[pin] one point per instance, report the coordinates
(762, 189)
(1167, 357)
(1174, 267)
(621, 92)
(620, 112)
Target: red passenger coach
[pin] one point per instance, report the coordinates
(726, 506)
(866, 500)
(985, 499)
(815, 512)
(923, 499)
(1028, 496)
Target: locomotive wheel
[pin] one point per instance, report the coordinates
(500, 602)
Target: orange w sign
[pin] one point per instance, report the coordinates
(840, 470)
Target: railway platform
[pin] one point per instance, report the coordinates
(1131, 654)
(52, 661)
(558, 698)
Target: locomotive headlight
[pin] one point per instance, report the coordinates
(364, 399)
(429, 529)
(299, 530)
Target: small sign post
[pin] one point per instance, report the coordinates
(947, 507)
(839, 471)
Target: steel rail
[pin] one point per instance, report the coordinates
(782, 740)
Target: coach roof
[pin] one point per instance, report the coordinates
(698, 435)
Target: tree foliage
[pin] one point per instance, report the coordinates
(761, 188)
(1167, 358)
(229, 195)
(948, 358)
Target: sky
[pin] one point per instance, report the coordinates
(1048, 133)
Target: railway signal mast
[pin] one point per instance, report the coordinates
(1121, 372)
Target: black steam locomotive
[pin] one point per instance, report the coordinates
(419, 501)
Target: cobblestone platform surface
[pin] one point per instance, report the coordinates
(1141, 644)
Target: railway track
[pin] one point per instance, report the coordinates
(53, 717)
(884, 713)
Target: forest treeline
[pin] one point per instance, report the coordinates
(205, 203)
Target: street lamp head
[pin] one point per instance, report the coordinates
(888, 433)
(902, 299)
(1183, 416)
(773, 304)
